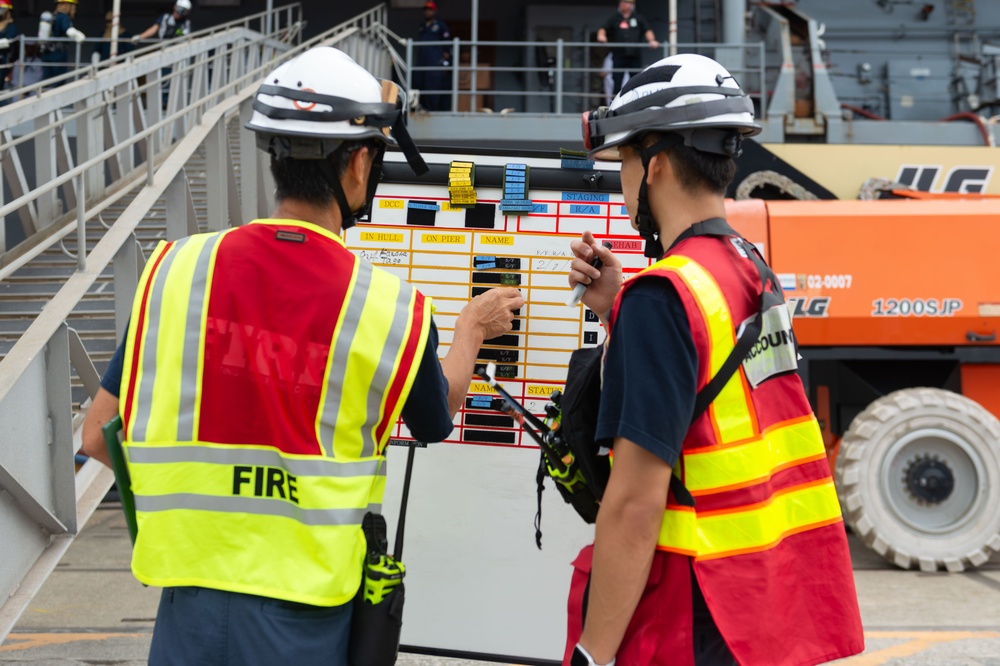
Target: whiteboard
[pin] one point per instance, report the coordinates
(475, 582)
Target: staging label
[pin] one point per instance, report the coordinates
(540, 391)
(477, 387)
(586, 196)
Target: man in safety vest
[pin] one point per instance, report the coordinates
(719, 539)
(262, 373)
(58, 25)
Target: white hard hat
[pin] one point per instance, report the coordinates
(182, 7)
(312, 103)
(687, 94)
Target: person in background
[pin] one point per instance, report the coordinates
(55, 54)
(171, 25)
(720, 539)
(626, 27)
(8, 33)
(102, 51)
(433, 29)
(290, 359)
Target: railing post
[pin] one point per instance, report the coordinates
(150, 160)
(454, 75)
(125, 272)
(180, 220)
(216, 174)
(473, 75)
(123, 125)
(559, 76)
(81, 224)
(409, 65)
(248, 166)
(45, 169)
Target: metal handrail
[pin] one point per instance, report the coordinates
(290, 12)
(238, 45)
(752, 77)
(36, 461)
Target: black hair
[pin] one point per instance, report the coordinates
(303, 180)
(696, 170)
(701, 171)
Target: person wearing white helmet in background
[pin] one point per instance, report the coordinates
(719, 538)
(263, 372)
(58, 25)
(8, 33)
(174, 23)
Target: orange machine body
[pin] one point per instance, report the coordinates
(899, 281)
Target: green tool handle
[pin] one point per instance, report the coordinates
(123, 480)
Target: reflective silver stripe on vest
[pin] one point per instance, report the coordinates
(261, 506)
(386, 364)
(253, 457)
(154, 307)
(192, 341)
(335, 384)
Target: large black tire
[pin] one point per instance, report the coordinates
(918, 475)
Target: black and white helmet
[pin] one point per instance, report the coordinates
(311, 104)
(686, 94)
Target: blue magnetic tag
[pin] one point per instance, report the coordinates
(423, 206)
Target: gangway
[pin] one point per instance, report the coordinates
(95, 171)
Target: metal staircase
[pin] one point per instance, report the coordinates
(97, 164)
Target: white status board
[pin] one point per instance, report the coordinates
(476, 583)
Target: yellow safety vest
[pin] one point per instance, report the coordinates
(269, 518)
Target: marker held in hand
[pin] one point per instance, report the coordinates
(577, 294)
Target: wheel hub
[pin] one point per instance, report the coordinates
(929, 480)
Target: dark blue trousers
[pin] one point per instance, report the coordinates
(197, 626)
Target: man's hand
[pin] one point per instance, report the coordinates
(653, 44)
(136, 39)
(103, 408)
(492, 312)
(604, 283)
(602, 36)
(75, 35)
(486, 316)
(4, 44)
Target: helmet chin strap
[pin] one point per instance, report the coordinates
(644, 221)
(649, 230)
(348, 217)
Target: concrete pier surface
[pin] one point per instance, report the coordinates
(92, 611)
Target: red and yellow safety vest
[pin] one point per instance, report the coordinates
(264, 368)
(766, 534)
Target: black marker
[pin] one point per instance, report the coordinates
(574, 298)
